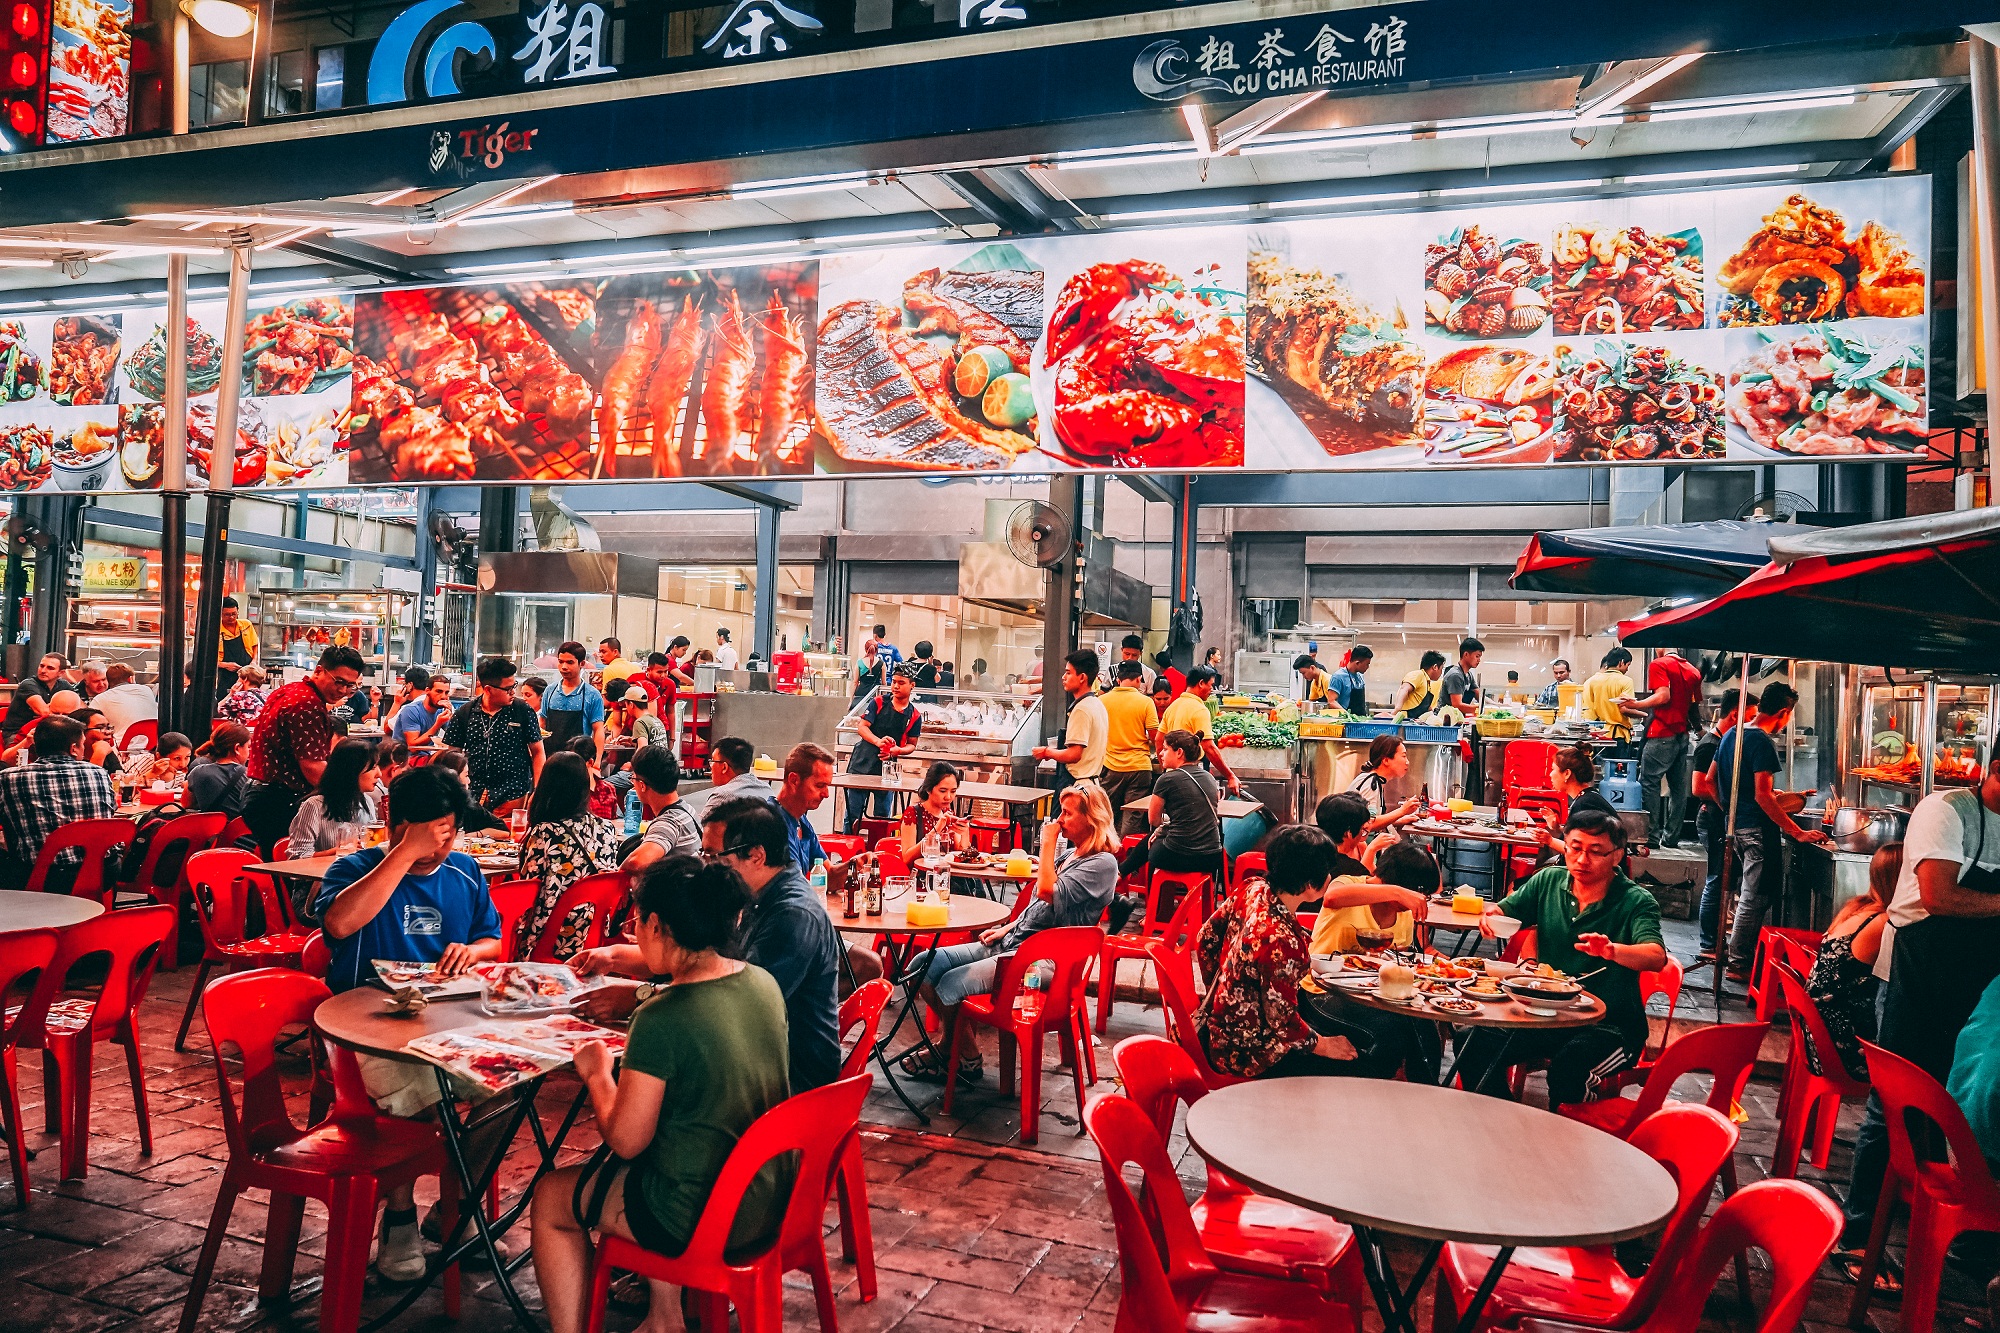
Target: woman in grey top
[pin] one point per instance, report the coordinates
(1185, 812)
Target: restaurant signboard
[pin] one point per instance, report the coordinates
(1751, 324)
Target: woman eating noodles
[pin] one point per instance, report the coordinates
(704, 1059)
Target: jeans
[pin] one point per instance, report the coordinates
(1709, 822)
(1760, 870)
(857, 806)
(959, 970)
(1665, 758)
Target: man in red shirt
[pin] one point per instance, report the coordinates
(1675, 688)
(289, 746)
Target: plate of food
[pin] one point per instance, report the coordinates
(1629, 402)
(1478, 286)
(1487, 989)
(1828, 391)
(1620, 280)
(1452, 1004)
(1489, 404)
(1803, 266)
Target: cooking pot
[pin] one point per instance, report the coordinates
(1861, 829)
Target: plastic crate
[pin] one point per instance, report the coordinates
(1500, 728)
(1368, 731)
(1413, 732)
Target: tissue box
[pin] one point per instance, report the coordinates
(1466, 904)
(927, 914)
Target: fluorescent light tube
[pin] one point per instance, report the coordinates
(1212, 210)
(1618, 97)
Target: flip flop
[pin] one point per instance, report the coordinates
(1888, 1273)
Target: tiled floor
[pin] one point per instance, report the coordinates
(973, 1231)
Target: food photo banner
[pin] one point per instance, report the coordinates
(1751, 324)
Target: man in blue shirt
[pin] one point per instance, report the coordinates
(1760, 816)
(1349, 686)
(572, 707)
(416, 900)
(808, 781)
(426, 715)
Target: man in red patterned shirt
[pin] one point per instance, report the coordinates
(289, 746)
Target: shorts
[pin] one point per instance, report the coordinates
(408, 1088)
(595, 1183)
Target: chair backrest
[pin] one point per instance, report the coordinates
(512, 898)
(175, 841)
(1692, 1142)
(98, 838)
(813, 1125)
(1790, 1221)
(847, 846)
(1249, 866)
(221, 893)
(1911, 1098)
(1158, 1246)
(233, 832)
(129, 941)
(248, 1010)
(1157, 1074)
(1072, 950)
(1180, 929)
(862, 1006)
(314, 956)
(146, 732)
(25, 956)
(1727, 1052)
(1663, 980)
(1809, 1022)
(1526, 767)
(604, 894)
(1175, 972)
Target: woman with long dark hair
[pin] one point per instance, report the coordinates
(1388, 760)
(337, 815)
(565, 842)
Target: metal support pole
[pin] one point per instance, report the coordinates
(16, 587)
(51, 578)
(424, 646)
(1985, 61)
(499, 531)
(200, 711)
(1182, 584)
(1722, 912)
(173, 458)
(764, 604)
(1061, 585)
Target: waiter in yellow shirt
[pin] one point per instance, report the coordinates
(1606, 696)
(1189, 712)
(239, 647)
(1128, 749)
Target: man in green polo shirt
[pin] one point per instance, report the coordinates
(1586, 916)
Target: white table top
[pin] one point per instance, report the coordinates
(45, 911)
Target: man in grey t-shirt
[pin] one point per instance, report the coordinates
(1461, 690)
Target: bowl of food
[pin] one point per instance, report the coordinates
(1374, 937)
(1482, 988)
(1500, 967)
(84, 456)
(1546, 994)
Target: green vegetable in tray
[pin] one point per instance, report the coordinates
(1257, 733)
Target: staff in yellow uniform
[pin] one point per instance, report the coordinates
(239, 647)
(1605, 696)
(1128, 749)
(1419, 691)
(1189, 712)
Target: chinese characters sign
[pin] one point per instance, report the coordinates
(1284, 56)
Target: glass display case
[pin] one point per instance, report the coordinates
(829, 673)
(295, 627)
(1915, 734)
(991, 737)
(116, 629)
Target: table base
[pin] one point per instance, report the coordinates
(1397, 1302)
(487, 1132)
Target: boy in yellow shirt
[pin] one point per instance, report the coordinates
(1358, 898)
(1606, 694)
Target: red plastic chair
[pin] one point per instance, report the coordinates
(1946, 1197)
(1585, 1284)
(24, 957)
(1727, 1052)
(1071, 949)
(813, 1125)
(1243, 1231)
(1808, 1102)
(857, 1234)
(233, 832)
(1168, 1280)
(1178, 932)
(221, 891)
(1524, 771)
(992, 835)
(64, 1027)
(99, 839)
(1179, 1002)
(314, 956)
(1249, 866)
(603, 894)
(512, 898)
(1665, 980)
(875, 831)
(1791, 1222)
(146, 732)
(1766, 995)
(847, 846)
(344, 1161)
(160, 876)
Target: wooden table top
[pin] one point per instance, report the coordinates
(1510, 1175)
(315, 867)
(965, 912)
(990, 874)
(357, 1019)
(1230, 807)
(45, 911)
(1431, 828)
(1441, 915)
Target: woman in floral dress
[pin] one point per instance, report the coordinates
(565, 842)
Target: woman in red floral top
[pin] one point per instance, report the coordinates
(1254, 954)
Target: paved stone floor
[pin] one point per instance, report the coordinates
(973, 1231)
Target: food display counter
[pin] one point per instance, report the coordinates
(990, 736)
(1909, 735)
(1329, 764)
(294, 627)
(116, 629)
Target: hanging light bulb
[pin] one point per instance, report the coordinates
(219, 18)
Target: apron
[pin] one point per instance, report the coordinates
(564, 724)
(234, 658)
(1425, 702)
(865, 758)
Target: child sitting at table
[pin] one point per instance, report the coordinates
(1360, 899)
(415, 900)
(705, 1058)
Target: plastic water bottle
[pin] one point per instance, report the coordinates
(818, 876)
(1031, 994)
(632, 813)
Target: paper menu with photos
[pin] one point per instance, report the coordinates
(496, 1056)
(398, 975)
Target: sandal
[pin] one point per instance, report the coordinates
(1888, 1274)
(920, 1064)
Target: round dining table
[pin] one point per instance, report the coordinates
(1433, 1164)
(45, 911)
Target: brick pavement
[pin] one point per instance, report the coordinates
(973, 1231)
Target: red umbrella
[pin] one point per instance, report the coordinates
(1662, 560)
(1921, 592)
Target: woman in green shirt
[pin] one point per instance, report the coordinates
(705, 1059)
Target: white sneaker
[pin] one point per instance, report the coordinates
(401, 1256)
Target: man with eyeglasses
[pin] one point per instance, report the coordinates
(293, 737)
(501, 737)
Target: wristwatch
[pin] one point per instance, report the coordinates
(647, 990)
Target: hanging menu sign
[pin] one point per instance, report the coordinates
(1741, 325)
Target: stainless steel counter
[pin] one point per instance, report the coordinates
(1327, 766)
(774, 723)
